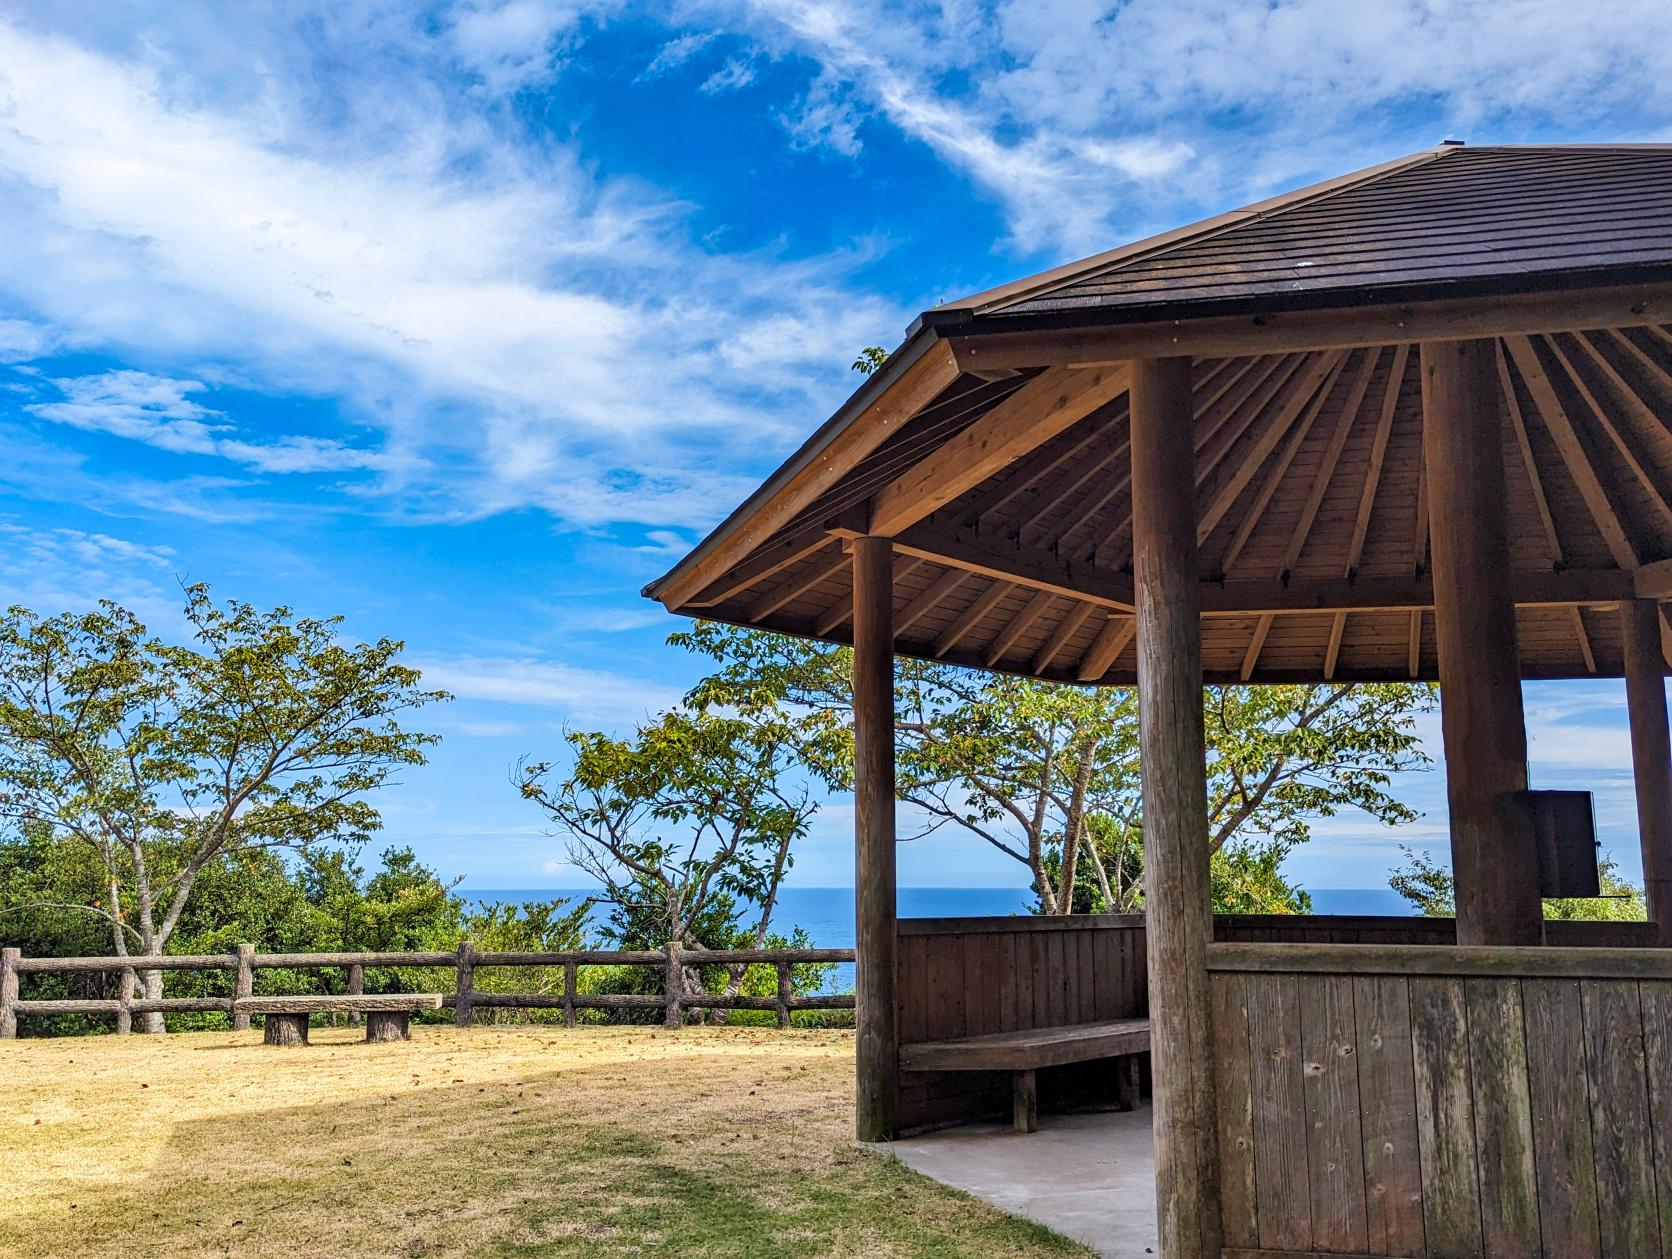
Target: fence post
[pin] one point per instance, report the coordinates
(243, 986)
(570, 972)
(356, 988)
(463, 1014)
(674, 988)
(125, 994)
(786, 990)
(8, 992)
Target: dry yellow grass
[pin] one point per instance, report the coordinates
(483, 1141)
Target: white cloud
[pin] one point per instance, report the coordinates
(157, 411)
(587, 695)
(374, 235)
(68, 570)
(676, 52)
(1089, 123)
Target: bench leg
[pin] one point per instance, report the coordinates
(1126, 1082)
(1024, 1091)
(286, 1029)
(387, 1025)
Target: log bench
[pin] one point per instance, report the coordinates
(387, 1016)
(1023, 1053)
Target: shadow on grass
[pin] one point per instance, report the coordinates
(695, 1156)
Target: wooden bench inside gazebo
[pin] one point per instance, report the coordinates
(1415, 422)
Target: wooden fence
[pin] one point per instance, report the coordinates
(464, 1000)
(1442, 1101)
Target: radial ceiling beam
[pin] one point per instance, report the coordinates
(1048, 405)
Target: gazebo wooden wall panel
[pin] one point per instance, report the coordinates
(1420, 1102)
(968, 976)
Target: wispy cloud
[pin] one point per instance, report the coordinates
(457, 279)
(586, 695)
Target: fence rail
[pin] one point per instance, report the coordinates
(464, 1000)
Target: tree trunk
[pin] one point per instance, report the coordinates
(151, 989)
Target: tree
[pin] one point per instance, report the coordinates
(152, 760)
(688, 825)
(1429, 887)
(1048, 774)
(870, 360)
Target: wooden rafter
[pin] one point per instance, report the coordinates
(1420, 526)
(971, 616)
(929, 600)
(1026, 480)
(1653, 581)
(1378, 455)
(842, 610)
(1332, 457)
(1066, 628)
(1584, 638)
(1297, 438)
(1106, 648)
(826, 567)
(1605, 511)
(1090, 472)
(1624, 446)
(779, 556)
(1518, 422)
(1217, 436)
(1037, 569)
(1337, 627)
(1531, 589)
(1312, 385)
(1019, 625)
(1650, 426)
(1256, 644)
(1047, 405)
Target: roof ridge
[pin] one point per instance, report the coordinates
(1003, 295)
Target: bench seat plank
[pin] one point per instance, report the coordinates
(1030, 1049)
(408, 1002)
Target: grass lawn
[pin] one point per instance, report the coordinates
(479, 1141)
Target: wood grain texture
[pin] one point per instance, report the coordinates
(1559, 1100)
(1388, 1116)
(1279, 1111)
(1330, 1088)
(1234, 1100)
(1620, 1122)
(1503, 1117)
(1445, 1119)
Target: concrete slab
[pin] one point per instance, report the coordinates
(1090, 1177)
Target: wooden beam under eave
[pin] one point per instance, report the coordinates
(1653, 581)
(1387, 594)
(816, 468)
(1035, 570)
(1279, 332)
(1106, 648)
(1048, 405)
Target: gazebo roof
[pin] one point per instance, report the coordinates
(993, 446)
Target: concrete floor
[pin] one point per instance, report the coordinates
(1089, 1176)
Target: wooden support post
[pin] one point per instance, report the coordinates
(356, 987)
(285, 1029)
(1493, 858)
(786, 990)
(125, 995)
(1128, 1076)
(1172, 746)
(387, 1025)
(243, 985)
(570, 973)
(877, 1056)
(8, 992)
(1651, 756)
(464, 994)
(1024, 1101)
(673, 988)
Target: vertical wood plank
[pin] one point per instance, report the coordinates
(1010, 1017)
(1283, 1196)
(1388, 1116)
(1559, 1099)
(1330, 1087)
(1237, 1193)
(1626, 1206)
(1503, 1118)
(1656, 998)
(1085, 976)
(1651, 755)
(1445, 1119)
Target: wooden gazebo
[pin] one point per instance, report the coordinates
(1415, 422)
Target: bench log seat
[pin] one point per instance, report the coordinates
(1022, 1053)
(387, 1015)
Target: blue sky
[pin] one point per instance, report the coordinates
(465, 320)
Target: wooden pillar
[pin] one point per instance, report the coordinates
(1493, 858)
(243, 985)
(464, 991)
(8, 992)
(1651, 756)
(1178, 914)
(356, 987)
(877, 1041)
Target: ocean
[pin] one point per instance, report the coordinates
(827, 912)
